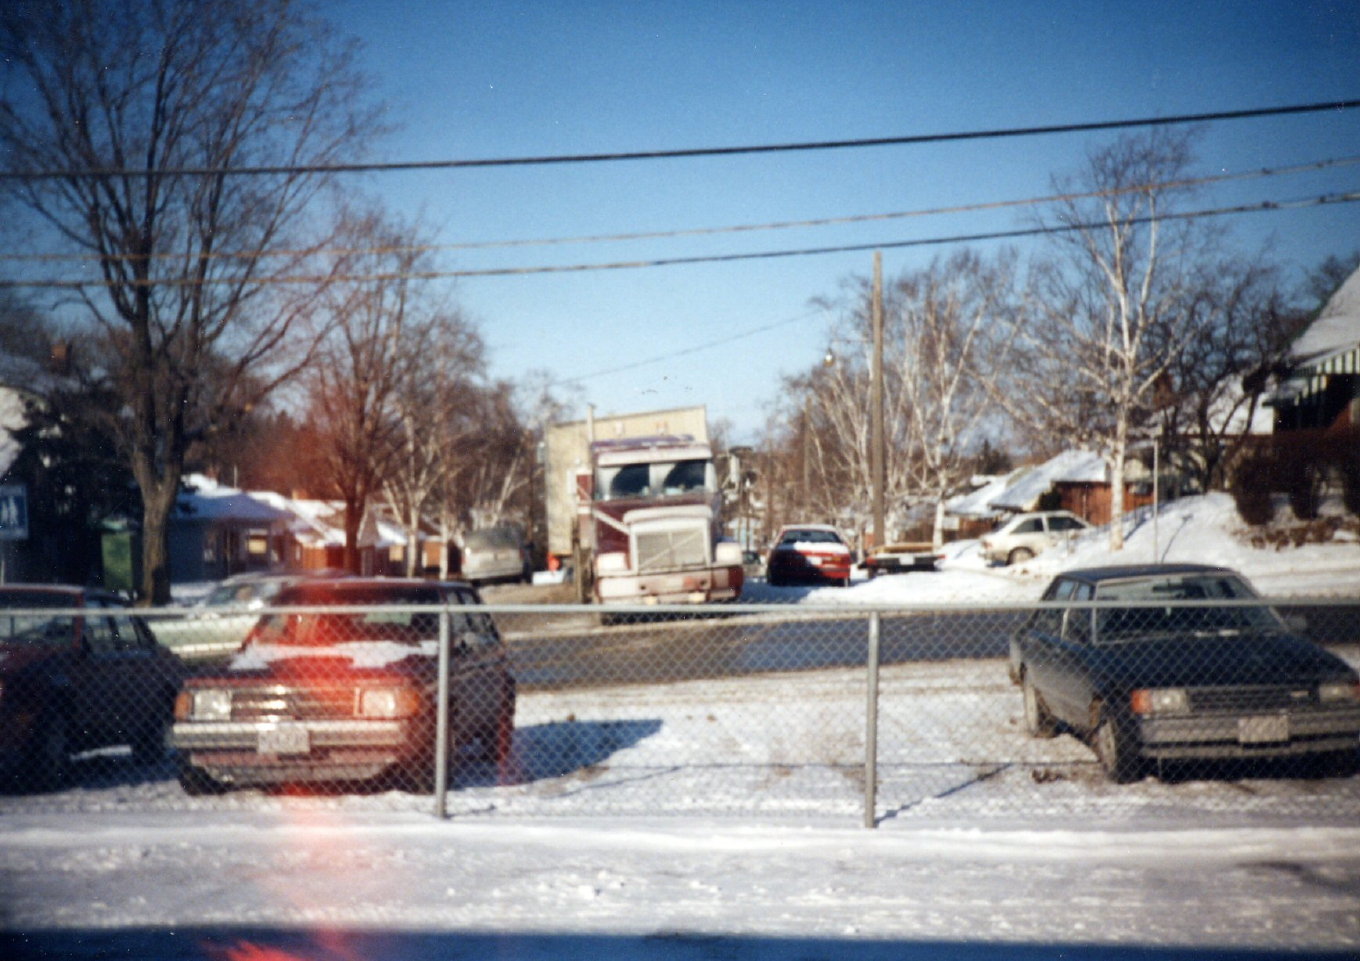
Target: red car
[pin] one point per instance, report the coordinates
(808, 553)
(346, 689)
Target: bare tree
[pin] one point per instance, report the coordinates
(1218, 377)
(435, 406)
(128, 120)
(1107, 311)
(948, 334)
(360, 369)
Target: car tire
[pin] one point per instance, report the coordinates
(1038, 722)
(47, 758)
(1019, 555)
(196, 782)
(1337, 764)
(1116, 746)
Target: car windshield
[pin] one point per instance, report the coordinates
(384, 617)
(809, 537)
(35, 630)
(242, 593)
(1122, 624)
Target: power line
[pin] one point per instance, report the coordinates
(711, 231)
(992, 134)
(1265, 206)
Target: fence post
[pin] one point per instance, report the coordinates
(871, 726)
(441, 735)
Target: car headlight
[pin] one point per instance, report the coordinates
(1334, 691)
(388, 702)
(209, 704)
(1160, 700)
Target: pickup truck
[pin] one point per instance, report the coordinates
(898, 558)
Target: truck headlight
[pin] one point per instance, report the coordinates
(1333, 692)
(388, 702)
(727, 554)
(208, 704)
(1160, 700)
(614, 562)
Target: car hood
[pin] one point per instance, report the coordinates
(351, 655)
(1195, 661)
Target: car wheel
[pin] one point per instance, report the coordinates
(196, 782)
(1038, 722)
(1337, 763)
(1019, 555)
(47, 761)
(1117, 748)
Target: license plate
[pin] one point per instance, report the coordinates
(1273, 729)
(284, 739)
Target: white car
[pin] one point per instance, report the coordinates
(1024, 535)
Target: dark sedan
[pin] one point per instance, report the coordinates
(1173, 662)
(77, 671)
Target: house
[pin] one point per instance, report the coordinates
(1075, 480)
(1322, 388)
(229, 531)
(216, 531)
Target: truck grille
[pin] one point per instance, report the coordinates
(672, 549)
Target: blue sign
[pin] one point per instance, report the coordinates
(13, 512)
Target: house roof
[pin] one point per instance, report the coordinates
(1023, 493)
(1021, 489)
(208, 500)
(1336, 330)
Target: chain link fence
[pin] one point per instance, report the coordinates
(830, 712)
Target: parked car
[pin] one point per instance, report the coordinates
(808, 553)
(347, 690)
(1024, 535)
(900, 557)
(72, 682)
(496, 555)
(219, 623)
(1164, 679)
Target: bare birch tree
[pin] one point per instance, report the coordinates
(1106, 313)
(947, 335)
(124, 121)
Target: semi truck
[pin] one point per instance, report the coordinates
(634, 509)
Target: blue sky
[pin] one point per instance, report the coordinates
(503, 79)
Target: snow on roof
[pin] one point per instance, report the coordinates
(208, 500)
(1337, 328)
(978, 503)
(1073, 465)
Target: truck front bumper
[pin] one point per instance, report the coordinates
(679, 587)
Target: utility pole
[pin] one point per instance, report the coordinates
(876, 456)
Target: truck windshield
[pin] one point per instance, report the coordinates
(659, 479)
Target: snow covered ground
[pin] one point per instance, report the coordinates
(721, 819)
